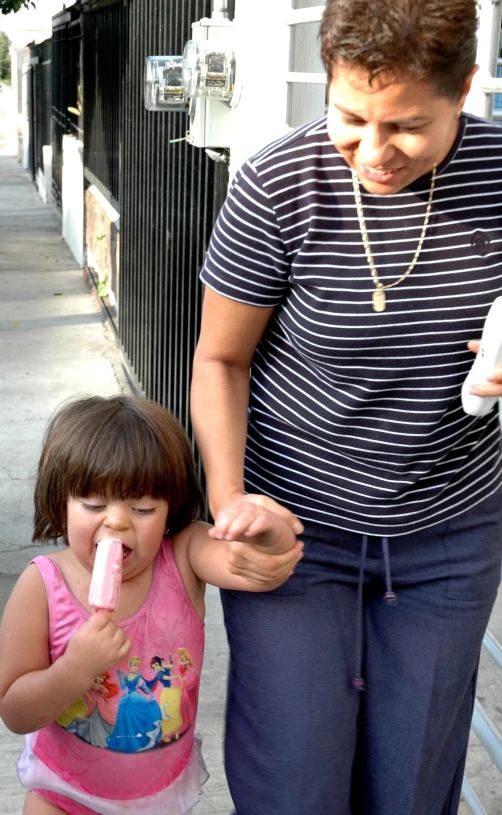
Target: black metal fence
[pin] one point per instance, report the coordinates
(39, 104)
(171, 195)
(67, 91)
(105, 35)
(167, 192)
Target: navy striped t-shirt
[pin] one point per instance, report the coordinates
(355, 417)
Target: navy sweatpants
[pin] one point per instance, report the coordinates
(301, 739)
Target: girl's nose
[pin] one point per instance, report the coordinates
(117, 518)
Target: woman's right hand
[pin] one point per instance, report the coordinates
(98, 645)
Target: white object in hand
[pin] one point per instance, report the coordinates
(487, 359)
(104, 592)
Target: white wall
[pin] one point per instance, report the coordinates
(263, 40)
(73, 196)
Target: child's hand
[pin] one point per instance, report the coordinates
(250, 523)
(97, 646)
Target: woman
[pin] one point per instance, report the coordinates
(353, 262)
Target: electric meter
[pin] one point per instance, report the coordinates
(208, 70)
(164, 84)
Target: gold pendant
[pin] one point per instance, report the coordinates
(379, 300)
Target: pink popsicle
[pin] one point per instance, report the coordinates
(104, 592)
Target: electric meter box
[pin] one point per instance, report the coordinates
(164, 83)
(210, 115)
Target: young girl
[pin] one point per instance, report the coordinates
(108, 701)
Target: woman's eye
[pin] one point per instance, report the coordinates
(353, 122)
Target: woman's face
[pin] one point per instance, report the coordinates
(392, 131)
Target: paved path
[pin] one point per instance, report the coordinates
(54, 344)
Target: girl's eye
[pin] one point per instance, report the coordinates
(93, 507)
(142, 511)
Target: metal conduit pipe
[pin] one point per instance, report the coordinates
(493, 647)
(488, 735)
(486, 731)
(220, 9)
(472, 800)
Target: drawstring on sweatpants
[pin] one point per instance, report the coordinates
(389, 597)
(358, 680)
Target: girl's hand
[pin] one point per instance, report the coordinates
(249, 522)
(494, 388)
(97, 646)
(269, 503)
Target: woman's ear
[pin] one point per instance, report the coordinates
(466, 88)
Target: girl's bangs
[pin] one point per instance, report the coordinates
(120, 467)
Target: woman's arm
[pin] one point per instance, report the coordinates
(230, 332)
(34, 692)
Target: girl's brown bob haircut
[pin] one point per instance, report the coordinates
(429, 40)
(120, 447)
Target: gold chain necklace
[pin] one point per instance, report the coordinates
(378, 299)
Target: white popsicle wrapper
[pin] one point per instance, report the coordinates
(104, 592)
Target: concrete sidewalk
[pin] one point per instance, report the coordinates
(55, 344)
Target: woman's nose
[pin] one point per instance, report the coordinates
(375, 147)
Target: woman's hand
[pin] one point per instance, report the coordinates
(97, 646)
(260, 568)
(493, 386)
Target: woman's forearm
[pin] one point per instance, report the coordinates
(219, 407)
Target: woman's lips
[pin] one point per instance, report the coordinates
(378, 176)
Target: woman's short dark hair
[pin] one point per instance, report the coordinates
(120, 447)
(430, 40)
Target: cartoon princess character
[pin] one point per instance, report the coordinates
(190, 679)
(138, 725)
(99, 722)
(170, 697)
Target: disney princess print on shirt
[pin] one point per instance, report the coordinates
(132, 709)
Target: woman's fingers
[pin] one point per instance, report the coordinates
(247, 561)
(493, 385)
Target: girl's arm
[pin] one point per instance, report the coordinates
(34, 692)
(230, 332)
(252, 549)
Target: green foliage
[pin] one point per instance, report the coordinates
(4, 58)
(6, 6)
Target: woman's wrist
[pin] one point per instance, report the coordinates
(224, 498)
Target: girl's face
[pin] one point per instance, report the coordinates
(392, 131)
(138, 523)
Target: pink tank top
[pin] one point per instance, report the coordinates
(131, 734)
